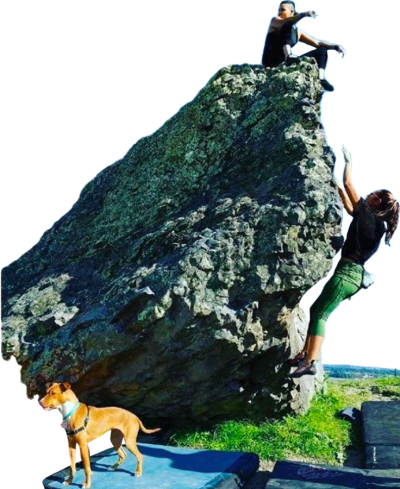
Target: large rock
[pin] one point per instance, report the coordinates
(172, 286)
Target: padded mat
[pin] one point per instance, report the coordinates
(164, 467)
(297, 475)
(381, 429)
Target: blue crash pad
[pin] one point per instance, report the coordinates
(381, 429)
(165, 467)
(300, 475)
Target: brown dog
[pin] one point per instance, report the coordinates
(84, 424)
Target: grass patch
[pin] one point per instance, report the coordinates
(317, 436)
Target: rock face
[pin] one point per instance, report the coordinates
(172, 286)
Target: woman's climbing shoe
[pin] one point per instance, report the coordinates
(295, 362)
(304, 369)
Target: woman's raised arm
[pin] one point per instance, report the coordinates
(348, 181)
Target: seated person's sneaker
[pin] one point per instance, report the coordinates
(326, 85)
(291, 60)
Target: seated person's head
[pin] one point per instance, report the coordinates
(286, 9)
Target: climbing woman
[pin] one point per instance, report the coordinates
(373, 217)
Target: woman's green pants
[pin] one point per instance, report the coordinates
(345, 282)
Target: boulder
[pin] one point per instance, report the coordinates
(172, 286)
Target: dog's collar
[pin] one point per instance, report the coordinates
(85, 423)
(72, 411)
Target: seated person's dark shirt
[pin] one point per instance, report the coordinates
(273, 49)
(364, 234)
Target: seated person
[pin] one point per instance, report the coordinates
(283, 34)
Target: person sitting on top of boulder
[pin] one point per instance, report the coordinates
(283, 34)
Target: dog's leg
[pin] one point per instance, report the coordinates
(132, 447)
(130, 440)
(72, 469)
(86, 464)
(116, 440)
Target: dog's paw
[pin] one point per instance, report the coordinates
(86, 485)
(113, 467)
(138, 474)
(67, 482)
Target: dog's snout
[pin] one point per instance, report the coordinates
(45, 404)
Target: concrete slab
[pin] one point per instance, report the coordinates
(298, 475)
(381, 430)
(165, 467)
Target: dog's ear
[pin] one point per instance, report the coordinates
(48, 385)
(65, 386)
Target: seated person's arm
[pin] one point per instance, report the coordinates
(311, 41)
(277, 22)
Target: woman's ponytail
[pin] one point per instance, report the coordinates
(388, 210)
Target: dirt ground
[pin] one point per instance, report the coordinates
(260, 478)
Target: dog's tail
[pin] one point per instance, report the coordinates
(145, 430)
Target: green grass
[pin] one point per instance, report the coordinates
(318, 436)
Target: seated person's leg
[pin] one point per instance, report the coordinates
(321, 56)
